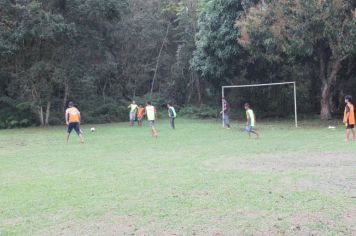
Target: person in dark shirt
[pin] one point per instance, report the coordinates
(172, 115)
(226, 113)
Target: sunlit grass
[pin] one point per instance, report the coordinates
(186, 180)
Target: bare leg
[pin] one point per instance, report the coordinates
(347, 138)
(81, 138)
(154, 132)
(353, 134)
(68, 137)
(254, 132)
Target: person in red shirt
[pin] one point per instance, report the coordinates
(140, 113)
(349, 118)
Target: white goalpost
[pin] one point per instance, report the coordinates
(264, 85)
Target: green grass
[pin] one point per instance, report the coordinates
(198, 179)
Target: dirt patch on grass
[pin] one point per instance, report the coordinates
(247, 223)
(283, 162)
(106, 225)
(317, 222)
(329, 172)
(13, 221)
(350, 219)
(133, 226)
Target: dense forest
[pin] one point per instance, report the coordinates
(101, 54)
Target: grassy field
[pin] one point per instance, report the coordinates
(196, 180)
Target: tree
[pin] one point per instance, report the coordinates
(216, 57)
(300, 29)
(35, 34)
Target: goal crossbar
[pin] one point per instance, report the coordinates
(263, 85)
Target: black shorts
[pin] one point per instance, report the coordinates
(75, 126)
(152, 123)
(350, 126)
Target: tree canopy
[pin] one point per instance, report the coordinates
(101, 54)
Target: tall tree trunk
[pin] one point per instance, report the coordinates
(104, 90)
(66, 95)
(197, 83)
(48, 110)
(328, 75)
(158, 59)
(190, 87)
(40, 115)
(325, 112)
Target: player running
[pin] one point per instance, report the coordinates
(172, 115)
(250, 115)
(151, 116)
(133, 110)
(72, 117)
(349, 118)
(226, 113)
(140, 113)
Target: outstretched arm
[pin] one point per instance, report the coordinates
(67, 118)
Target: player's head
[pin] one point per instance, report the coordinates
(247, 106)
(149, 103)
(348, 98)
(168, 105)
(70, 104)
(133, 102)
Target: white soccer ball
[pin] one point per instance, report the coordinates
(92, 129)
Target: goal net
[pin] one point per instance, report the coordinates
(270, 96)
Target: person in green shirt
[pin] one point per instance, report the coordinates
(133, 110)
(251, 121)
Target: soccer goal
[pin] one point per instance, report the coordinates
(265, 85)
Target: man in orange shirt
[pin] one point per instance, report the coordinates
(72, 117)
(140, 113)
(349, 118)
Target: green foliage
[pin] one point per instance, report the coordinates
(107, 113)
(199, 112)
(15, 113)
(216, 47)
(315, 34)
(101, 54)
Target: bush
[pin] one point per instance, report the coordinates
(105, 113)
(157, 100)
(15, 113)
(56, 119)
(199, 112)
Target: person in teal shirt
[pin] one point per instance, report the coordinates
(172, 115)
(251, 121)
(133, 110)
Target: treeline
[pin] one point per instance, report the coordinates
(101, 54)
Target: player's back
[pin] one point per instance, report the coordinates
(252, 116)
(150, 111)
(140, 111)
(73, 113)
